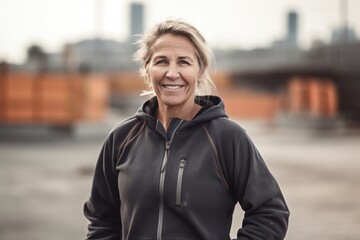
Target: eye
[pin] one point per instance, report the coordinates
(160, 62)
(184, 62)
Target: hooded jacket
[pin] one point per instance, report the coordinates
(184, 183)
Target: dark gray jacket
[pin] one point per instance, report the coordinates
(183, 184)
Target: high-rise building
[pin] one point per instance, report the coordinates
(292, 28)
(136, 19)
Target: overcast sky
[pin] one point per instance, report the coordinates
(224, 23)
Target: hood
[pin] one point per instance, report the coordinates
(216, 110)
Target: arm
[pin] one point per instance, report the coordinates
(266, 213)
(103, 207)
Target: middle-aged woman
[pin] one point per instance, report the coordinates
(178, 167)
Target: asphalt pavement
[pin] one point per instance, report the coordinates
(45, 177)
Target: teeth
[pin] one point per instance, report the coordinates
(172, 87)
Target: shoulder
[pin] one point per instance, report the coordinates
(226, 126)
(123, 128)
(228, 133)
(124, 125)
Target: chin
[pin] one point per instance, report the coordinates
(173, 101)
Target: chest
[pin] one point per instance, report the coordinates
(181, 173)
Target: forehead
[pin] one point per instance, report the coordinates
(173, 44)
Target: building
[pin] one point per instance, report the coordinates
(136, 20)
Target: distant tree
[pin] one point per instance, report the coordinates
(37, 57)
(35, 52)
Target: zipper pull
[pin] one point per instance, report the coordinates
(182, 163)
(167, 148)
(167, 145)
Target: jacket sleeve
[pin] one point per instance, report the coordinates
(103, 207)
(266, 213)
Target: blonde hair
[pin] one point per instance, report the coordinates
(178, 28)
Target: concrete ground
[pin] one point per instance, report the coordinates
(45, 178)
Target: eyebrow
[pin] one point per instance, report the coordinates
(159, 57)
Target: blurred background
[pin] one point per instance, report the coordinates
(287, 70)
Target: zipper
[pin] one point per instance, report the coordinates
(161, 188)
(162, 182)
(179, 182)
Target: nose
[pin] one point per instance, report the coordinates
(172, 73)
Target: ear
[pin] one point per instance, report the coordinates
(200, 79)
(146, 74)
(200, 76)
(146, 69)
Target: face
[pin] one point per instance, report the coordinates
(173, 71)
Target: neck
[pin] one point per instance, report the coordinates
(165, 113)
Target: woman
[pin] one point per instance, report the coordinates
(178, 167)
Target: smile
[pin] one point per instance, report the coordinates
(172, 87)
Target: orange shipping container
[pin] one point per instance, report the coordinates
(58, 99)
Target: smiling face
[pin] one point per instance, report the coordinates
(173, 71)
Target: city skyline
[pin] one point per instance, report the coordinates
(237, 24)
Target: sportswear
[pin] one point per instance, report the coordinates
(184, 183)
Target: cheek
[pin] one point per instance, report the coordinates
(191, 76)
(156, 75)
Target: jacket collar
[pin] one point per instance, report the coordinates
(148, 110)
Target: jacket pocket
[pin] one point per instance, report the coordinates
(179, 182)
